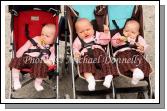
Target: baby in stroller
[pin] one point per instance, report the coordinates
(94, 64)
(130, 45)
(36, 57)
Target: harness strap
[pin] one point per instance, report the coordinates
(83, 44)
(42, 51)
(90, 51)
(38, 50)
(32, 50)
(28, 37)
(115, 24)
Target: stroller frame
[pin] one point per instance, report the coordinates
(144, 91)
(13, 49)
(70, 12)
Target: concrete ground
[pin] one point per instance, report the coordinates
(65, 85)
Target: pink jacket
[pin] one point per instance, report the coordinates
(101, 38)
(115, 41)
(28, 45)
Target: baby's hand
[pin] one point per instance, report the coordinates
(48, 62)
(106, 29)
(140, 48)
(77, 55)
(121, 39)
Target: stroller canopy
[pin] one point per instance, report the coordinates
(85, 11)
(51, 8)
(119, 13)
(27, 21)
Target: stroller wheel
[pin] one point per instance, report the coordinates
(10, 96)
(153, 95)
(108, 96)
(23, 77)
(59, 97)
(118, 96)
(142, 95)
(67, 96)
(78, 97)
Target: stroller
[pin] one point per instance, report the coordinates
(26, 23)
(117, 17)
(72, 13)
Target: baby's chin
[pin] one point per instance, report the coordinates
(88, 36)
(133, 37)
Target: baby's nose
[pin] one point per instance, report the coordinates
(86, 32)
(128, 34)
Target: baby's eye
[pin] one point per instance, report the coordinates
(44, 35)
(81, 32)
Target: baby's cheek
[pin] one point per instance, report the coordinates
(125, 34)
(134, 36)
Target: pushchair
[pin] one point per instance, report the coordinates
(27, 22)
(117, 17)
(78, 83)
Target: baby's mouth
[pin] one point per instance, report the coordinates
(86, 36)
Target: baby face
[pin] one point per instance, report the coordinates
(48, 34)
(84, 29)
(131, 29)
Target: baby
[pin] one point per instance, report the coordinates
(36, 61)
(123, 43)
(88, 46)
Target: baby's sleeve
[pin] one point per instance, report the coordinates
(76, 45)
(103, 38)
(115, 40)
(143, 43)
(22, 49)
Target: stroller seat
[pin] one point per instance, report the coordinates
(80, 84)
(27, 22)
(35, 20)
(122, 83)
(126, 87)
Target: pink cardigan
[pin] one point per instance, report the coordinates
(29, 45)
(115, 43)
(100, 38)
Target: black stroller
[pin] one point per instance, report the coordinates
(77, 81)
(117, 20)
